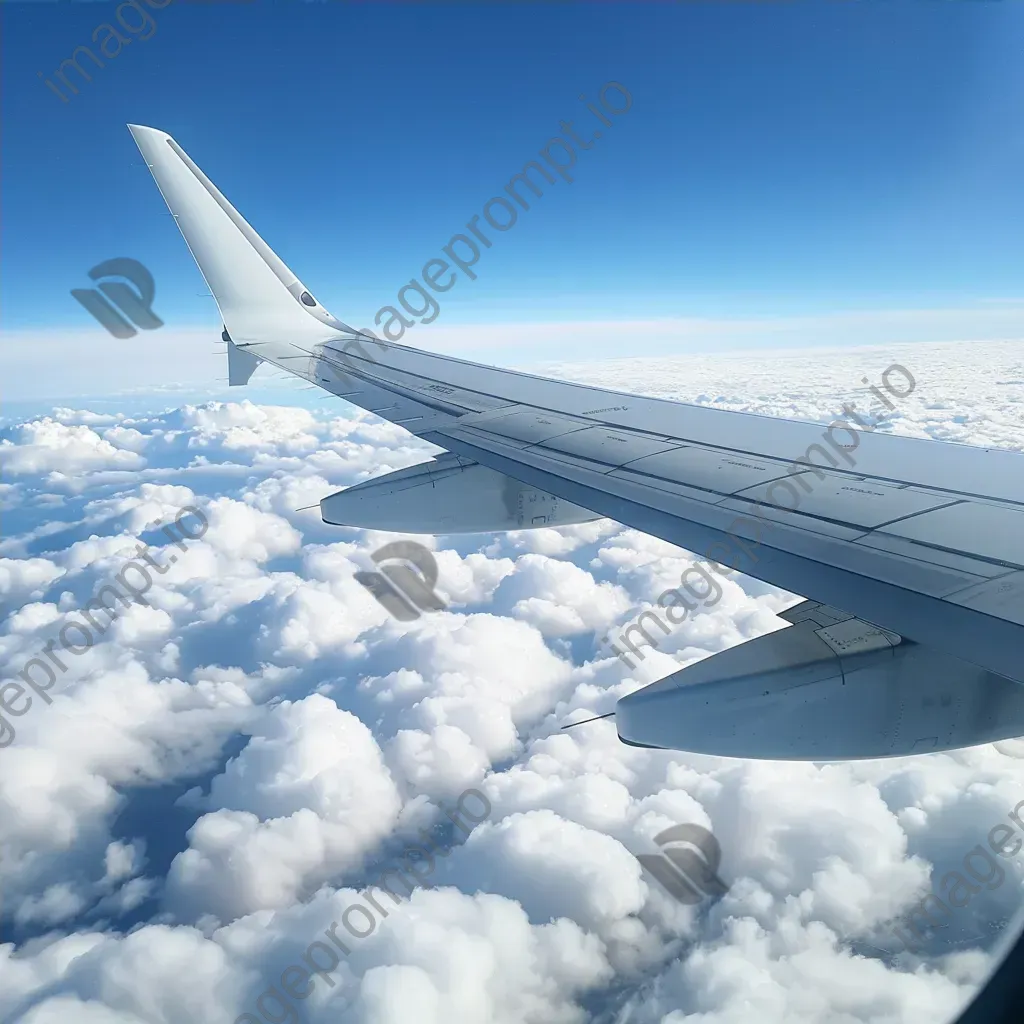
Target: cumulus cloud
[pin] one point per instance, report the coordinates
(224, 771)
(308, 797)
(46, 446)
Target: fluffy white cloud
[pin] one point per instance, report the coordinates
(46, 446)
(308, 797)
(27, 577)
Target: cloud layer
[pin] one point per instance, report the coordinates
(230, 765)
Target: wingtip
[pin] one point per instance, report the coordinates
(138, 130)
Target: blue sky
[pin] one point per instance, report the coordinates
(778, 159)
(803, 172)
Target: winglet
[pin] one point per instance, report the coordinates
(259, 298)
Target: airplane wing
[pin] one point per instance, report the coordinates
(911, 551)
